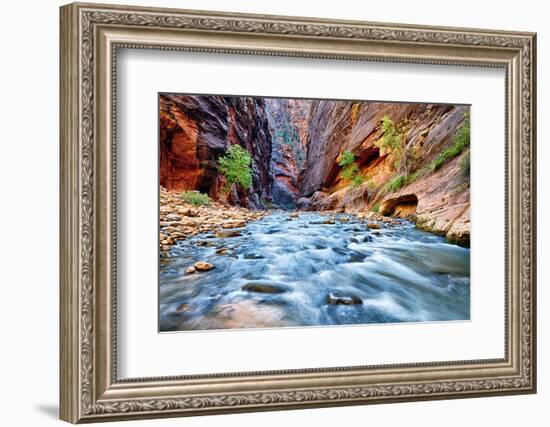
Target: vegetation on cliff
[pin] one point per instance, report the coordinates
(235, 166)
(461, 141)
(350, 169)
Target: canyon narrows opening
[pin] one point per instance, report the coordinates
(279, 212)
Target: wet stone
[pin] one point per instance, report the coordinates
(275, 302)
(181, 307)
(264, 288)
(356, 257)
(223, 251)
(337, 298)
(252, 255)
(203, 266)
(222, 234)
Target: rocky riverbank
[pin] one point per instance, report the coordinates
(180, 220)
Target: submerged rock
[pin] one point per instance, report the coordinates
(337, 298)
(264, 288)
(222, 234)
(168, 241)
(190, 270)
(253, 255)
(181, 307)
(234, 224)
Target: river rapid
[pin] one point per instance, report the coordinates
(312, 269)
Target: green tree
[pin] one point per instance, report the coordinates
(392, 139)
(235, 165)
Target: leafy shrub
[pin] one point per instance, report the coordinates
(371, 185)
(267, 203)
(350, 172)
(419, 173)
(196, 198)
(392, 140)
(461, 141)
(465, 164)
(357, 181)
(347, 159)
(235, 165)
(376, 207)
(400, 181)
(350, 169)
(393, 143)
(397, 182)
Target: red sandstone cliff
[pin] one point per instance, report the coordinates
(438, 200)
(196, 130)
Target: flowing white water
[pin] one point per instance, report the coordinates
(303, 272)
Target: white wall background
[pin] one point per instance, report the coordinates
(29, 173)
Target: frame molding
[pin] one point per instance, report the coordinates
(90, 37)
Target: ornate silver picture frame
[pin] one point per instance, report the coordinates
(91, 35)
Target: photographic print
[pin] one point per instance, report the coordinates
(288, 212)
(318, 228)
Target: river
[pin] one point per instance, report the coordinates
(312, 271)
